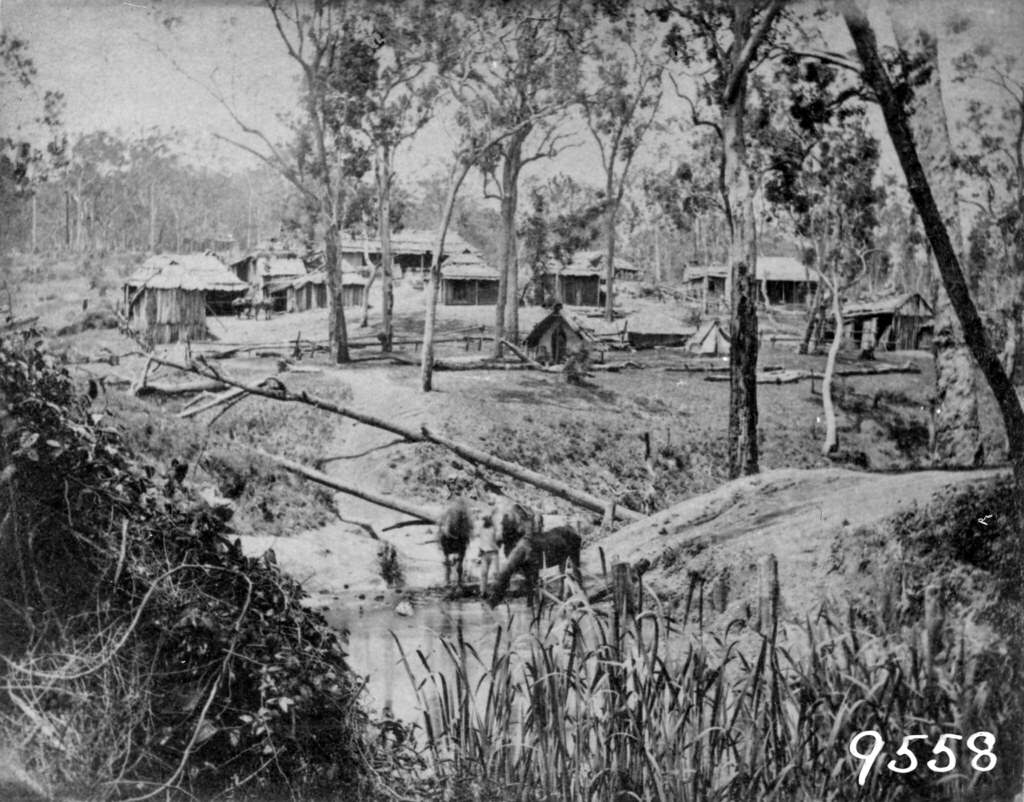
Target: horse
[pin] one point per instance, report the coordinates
(454, 530)
(534, 551)
(512, 521)
(503, 526)
(251, 306)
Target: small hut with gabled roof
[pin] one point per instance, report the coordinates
(557, 336)
(168, 298)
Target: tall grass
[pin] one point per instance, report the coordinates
(576, 711)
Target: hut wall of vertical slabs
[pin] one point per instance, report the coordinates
(469, 292)
(313, 295)
(170, 315)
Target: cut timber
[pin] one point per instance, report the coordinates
(182, 388)
(531, 362)
(228, 397)
(329, 481)
(469, 453)
(709, 367)
(791, 376)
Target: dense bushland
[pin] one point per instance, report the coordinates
(143, 653)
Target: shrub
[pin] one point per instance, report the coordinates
(143, 650)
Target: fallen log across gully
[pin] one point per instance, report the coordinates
(469, 453)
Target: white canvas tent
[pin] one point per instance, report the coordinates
(710, 340)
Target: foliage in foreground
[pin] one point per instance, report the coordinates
(142, 651)
(570, 712)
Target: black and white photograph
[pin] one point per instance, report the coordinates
(511, 400)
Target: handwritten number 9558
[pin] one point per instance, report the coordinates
(980, 744)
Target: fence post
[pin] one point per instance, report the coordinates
(767, 593)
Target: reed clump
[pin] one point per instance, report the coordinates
(590, 706)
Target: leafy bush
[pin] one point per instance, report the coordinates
(144, 652)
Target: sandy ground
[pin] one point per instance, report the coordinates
(795, 515)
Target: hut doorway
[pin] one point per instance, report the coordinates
(558, 343)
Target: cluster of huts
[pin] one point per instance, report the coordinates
(169, 297)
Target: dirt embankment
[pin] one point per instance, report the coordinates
(820, 524)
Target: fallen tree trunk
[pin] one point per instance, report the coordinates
(168, 389)
(220, 400)
(469, 453)
(791, 376)
(329, 481)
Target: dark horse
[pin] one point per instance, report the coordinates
(454, 530)
(251, 305)
(535, 551)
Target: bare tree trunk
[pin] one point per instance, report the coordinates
(957, 430)
(949, 267)
(152, 218)
(504, 315)
(458, 175)
(337, 331)
(812, 318)
(657, 257)
(609, 237)
(509, 302)
(365, 315)
(831, 436)
(742, 433)
(384, 225)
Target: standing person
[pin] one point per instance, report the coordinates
(488, 548)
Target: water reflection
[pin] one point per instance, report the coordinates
(374, 654)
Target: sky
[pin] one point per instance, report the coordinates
(116, 64)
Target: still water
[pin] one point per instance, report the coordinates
(374, 653)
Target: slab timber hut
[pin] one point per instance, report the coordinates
(782, 280)
(467, 281)
(271, 271)
(896, 323)
(168, 298)
(311, 291)
(574, 284)
(557, 336)
(412, 251)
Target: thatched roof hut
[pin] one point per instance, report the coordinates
(167, 299)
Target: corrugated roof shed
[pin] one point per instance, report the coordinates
(659, 323)
(407, 241)
(197, 271)
(769, 268)
(467, 266)
(588, 263)
(320, 277)
(888, 305)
